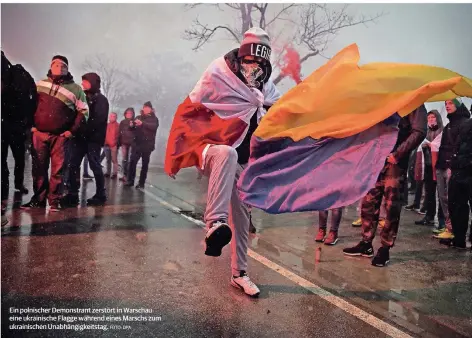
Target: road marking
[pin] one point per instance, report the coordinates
(307, 285)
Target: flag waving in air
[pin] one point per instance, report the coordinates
(217, 111)
(324, 143)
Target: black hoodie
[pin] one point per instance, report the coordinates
(96, 128)
(462, 158)
(450, 137)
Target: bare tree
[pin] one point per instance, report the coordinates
(111, 76)
(316, 26)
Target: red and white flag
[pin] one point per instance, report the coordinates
(217, 111)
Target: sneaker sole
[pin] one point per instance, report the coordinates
(381, 265)
(359, 254)
(217, 240)
(93, 204)
(319, 241)
(237, 286)
(31, 208)
(333, 243)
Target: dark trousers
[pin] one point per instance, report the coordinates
(48, 148)
(16, 142)
(79, 149)
(103, 155)
(430, 188)
(418, 194)
(126, 154)
(136, 155)
(411, 170)
(86, 166)
(336, 215)
(460, 202)
(67, 158)
(389, 185)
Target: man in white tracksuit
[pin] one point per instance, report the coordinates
(243, 77)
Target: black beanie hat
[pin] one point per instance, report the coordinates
(63, 59)
(148, 104)
(256, 42)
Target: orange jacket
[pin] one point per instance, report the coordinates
(113, 131)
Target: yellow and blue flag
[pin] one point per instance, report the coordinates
(323, 144)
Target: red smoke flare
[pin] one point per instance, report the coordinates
(292, 66)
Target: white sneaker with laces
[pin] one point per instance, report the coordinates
(244, 283)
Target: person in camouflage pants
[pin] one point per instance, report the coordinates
(390, 185)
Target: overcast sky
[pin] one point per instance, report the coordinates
(433, 34)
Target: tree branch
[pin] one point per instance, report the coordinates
(282, 11)
(202, 33)
(234, 6)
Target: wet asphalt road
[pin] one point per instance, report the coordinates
(136, 253)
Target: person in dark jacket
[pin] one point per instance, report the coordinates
(426, 158)
(412, 131)
(126, 140)
(460, 187)
(62, 110)
(19, 102)
(89, 143)
(146, 128)
(457, 115)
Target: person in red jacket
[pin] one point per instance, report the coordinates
(111, 146)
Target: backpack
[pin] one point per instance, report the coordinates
(19, 93)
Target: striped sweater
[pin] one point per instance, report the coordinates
(61, 107)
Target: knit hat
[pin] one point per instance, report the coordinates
(457, 102)
(148, 104)
(60, 58)
(256, 42)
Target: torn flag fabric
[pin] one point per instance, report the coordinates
(324, 143)
(217, 111)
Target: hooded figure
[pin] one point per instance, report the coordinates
(458, 115)
(127, 136)
(96, 128)
(451, 134)
(89, 144)
(427, 152)
(126, 139)
(460, 187)
(212, 129)
(426, 158)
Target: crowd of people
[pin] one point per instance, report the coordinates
(68, 123)
(71, 123)
(440, 170)
(220, 134)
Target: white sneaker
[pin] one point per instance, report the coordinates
(244, 283)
